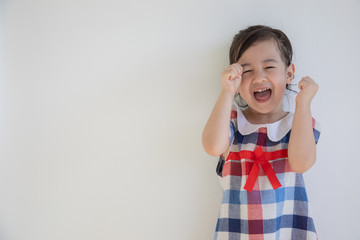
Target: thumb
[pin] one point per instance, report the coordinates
(237, 80)
(301, 85)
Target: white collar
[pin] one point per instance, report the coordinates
(275, 131)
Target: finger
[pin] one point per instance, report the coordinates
(307, 79)
(239, 68)
(232, 74)
(229, 76)
(237, 73)
(235, 70)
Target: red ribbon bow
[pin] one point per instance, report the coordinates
(261, 158)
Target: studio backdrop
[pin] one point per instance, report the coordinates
(103, 103)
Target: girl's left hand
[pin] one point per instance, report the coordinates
(308, 88)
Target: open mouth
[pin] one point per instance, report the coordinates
(262, 95)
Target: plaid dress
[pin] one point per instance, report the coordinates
(275, 204)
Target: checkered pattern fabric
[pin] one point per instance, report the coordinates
(264, 213)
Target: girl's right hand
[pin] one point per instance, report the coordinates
(231, 78)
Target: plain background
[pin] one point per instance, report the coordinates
(103, 104)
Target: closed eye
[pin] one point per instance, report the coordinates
(247, 71)
(269, 67)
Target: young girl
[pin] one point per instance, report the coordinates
(266, 149)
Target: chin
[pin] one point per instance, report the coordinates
(263, 109)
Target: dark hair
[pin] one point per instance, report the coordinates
(258, 33)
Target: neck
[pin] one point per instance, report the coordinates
(255, 117)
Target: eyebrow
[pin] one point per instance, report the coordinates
(265, 61)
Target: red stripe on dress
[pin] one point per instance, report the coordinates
(235, 167)
(246, 154)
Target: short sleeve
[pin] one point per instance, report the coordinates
(316, 129)
(233, 127)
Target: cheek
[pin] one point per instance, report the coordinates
(276, 74)
(244, 86)
(280, 89)
(279, 79)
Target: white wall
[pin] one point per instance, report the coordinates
(103, 105)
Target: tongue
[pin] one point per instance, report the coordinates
(262, 95)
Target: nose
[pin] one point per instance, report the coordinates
(259, 76)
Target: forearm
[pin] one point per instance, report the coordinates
(302, 146)
(215, 137)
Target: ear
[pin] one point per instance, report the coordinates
(290, 73)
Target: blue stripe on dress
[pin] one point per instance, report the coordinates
(267, 196)
(269, 225)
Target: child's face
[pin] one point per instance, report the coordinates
(264, 77)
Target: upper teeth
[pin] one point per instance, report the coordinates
(261, 90)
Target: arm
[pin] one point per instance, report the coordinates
(302, 146)
(215, 137)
